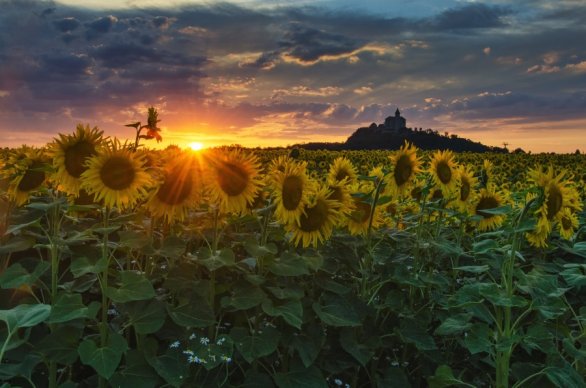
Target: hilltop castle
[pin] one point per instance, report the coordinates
(396, 123)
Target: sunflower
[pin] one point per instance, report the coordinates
(233, 179)
(116, 176)
(179, 189)
(465, 191)
(489, 199)
(317, 222)
(292, 188)
(26, 173)
(359, 219)
(538, 236)
(70, 153)
(443, 170)
(342, 169)
(567, 222)
(405, 166)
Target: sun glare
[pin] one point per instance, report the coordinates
(196, 146)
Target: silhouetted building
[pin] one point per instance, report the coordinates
(395, 123)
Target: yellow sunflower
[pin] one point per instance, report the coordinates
(292, 189)
(359, 219)
(26, 172)
(466, 190)
(342, 169)
(405, 165)
(317, 222)
(179, 190)
(70, 153)
(116, 176)
(233, 179)
(538, 236)
(443, 170)
(489, 199)
(486, 174)
(567, 222)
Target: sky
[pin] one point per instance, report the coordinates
(276, 72)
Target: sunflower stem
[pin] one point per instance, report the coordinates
(104, 286)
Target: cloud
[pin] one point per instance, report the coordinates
(67, 24)
(305, 91)
(471, 16)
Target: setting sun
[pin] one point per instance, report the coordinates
(196, 146)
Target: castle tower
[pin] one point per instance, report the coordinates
(395, 123)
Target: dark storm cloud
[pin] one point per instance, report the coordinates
(67, 24)
(67, 64)
(310, 44)
(476, 15)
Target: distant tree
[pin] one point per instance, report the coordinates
(577, 152)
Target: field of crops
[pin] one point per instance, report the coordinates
(127, 267)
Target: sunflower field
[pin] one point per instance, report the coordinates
(128, 267)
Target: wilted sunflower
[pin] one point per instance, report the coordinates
(26, 171)
(567, 222)
(405, 166)
(292, 189)
(317, 221)
(70, 153)
(359, 218)
(179, 189)
(443, 170)
(489, 199)
(342, 169)
(486, 174)
(233, 179)
(466, 190)
(116, 176)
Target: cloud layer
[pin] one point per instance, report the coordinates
(230, 73)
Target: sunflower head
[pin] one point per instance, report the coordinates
(465, 190)
(233, 179)
(405, 166)
(70, 153)
(26, 172)
(443, 170)
(116, 176)
(291, 190)
(358, 220)
(567, 222)
(317, 221)
(341, 170)
(489, 199)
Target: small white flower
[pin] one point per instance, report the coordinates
(174, 345)
(192, 336)
(204, 340)
(221, 341)
(394, 363)
(188, 352)
(338, 382)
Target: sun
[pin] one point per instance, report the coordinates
(196, 146)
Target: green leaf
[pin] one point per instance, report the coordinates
(25, 315)
(260, 344)
(288, 292)
(335, 310)
(193, 313)
(358, 349)
(484, 246)
(395, 377)
(291, 311)
(84, 265)
(132, 239)
(260, 251)
(15, 228)
(244, 296)
(565, 377)
(222, 258)
(478, 339)
(146, 316)
(444, 377)
(61, 344)
(574, 274)
(173, 247)
(24, 368)
(17, 244)
(454, 324)
(68, 307)
(412, 332)
(473, 268)
(104, 360)
(289, 264)
(171, 366)
(133, 286)
(301, 377)
(308, 343)
(136, 372)
(16, 275)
